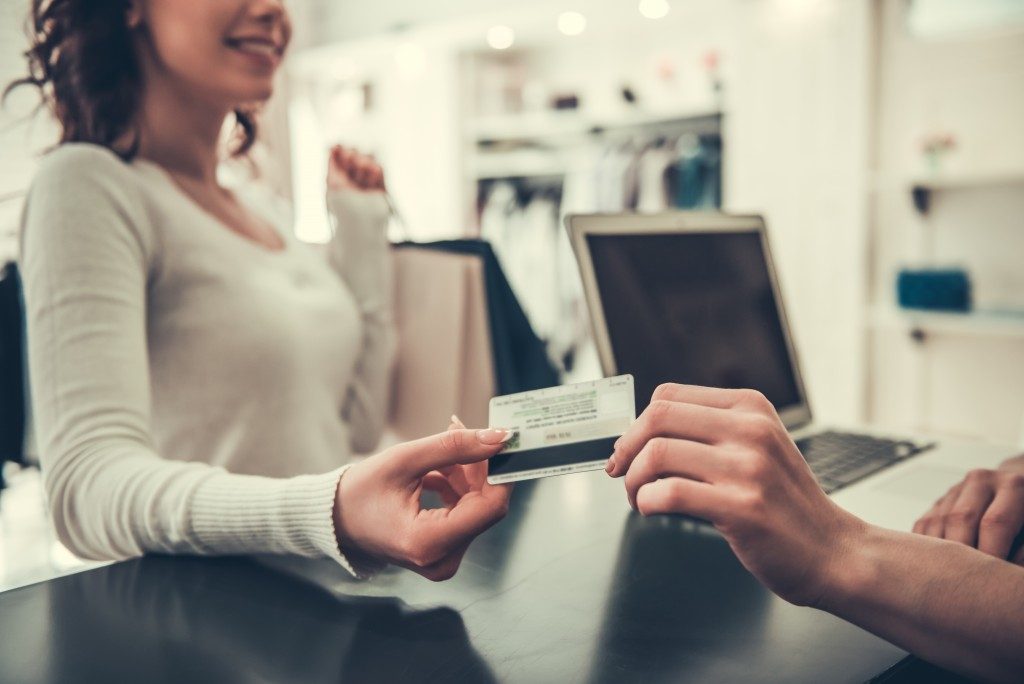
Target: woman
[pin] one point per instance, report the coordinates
(199, 378)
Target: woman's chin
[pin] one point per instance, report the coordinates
(251, 94)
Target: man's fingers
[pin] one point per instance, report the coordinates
(676, 420)
(679, 495)
(663, 457)
(712, 397)
(416, 459)
(1002, 522)
(935, 522)
(964, 515)
(922, 523)
(1018, 556)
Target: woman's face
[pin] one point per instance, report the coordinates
(225, 52)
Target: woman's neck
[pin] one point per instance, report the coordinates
(178, 131)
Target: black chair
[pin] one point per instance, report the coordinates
(12, 369)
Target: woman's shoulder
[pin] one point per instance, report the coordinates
(81, 183)
(81, 160)
(72, 172)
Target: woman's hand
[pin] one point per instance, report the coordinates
(349, 170)
(985, 511)
(724, 456)
(378, 512)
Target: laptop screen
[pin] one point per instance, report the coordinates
(693, 308)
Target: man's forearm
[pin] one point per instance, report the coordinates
(950, 604)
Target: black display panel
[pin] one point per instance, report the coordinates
(693, 308)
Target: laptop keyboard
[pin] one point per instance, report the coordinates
(839, 459)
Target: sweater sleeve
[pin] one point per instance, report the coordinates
(359, 254)
(88, 251)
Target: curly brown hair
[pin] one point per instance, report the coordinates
(82, 60)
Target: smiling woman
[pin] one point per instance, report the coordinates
(200, 378)
(91, 59)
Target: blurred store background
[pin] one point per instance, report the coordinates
(883, 140)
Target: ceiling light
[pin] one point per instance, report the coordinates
(572, 23)
(501, 37)
(653, 9)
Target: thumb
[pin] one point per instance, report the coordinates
(454, 447)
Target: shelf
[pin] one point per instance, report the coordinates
(921, 189)
(967, 181)
(559, 126)
(1005, 324)
(518, 165)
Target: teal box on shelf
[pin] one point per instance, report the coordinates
(934, 289)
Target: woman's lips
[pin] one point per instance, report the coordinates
(266, 51)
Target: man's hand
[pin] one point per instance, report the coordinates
(378, 511)
(724, 456)
(985, 510)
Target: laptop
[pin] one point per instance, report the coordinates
(694, 298)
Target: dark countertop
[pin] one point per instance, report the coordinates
(571, 587)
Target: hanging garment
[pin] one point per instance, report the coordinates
(654, 161)
(696, 175)
(532, 266)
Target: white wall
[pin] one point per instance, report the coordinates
(971, 86)
(22, 136)
(797, 142)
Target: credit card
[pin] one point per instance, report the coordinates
(561, 430)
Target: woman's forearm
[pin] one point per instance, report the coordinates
(948, 603)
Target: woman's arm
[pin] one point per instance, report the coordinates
(724, 456)
(88, 251)
(360, 255)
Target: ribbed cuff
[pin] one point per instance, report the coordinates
(365, 212)
(249, 514)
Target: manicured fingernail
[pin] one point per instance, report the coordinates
(455, 419)
(493, 436)
(610, 466)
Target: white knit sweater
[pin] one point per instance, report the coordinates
(194, 392)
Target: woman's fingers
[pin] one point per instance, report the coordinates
(355, 169)
(1003, 521)
(445, 568)
(416, 459)
(964, 514)
(440, 531)
(440, 484)
(663, 457)
(680, 495)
